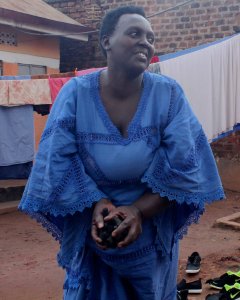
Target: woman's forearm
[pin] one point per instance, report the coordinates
(151, 204)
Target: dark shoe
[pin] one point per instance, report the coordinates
(229, 292)
(224, 296)
(194, 287)
(218, 296)
(227, 278)
(193, 263)
(182, 295)
(232, 290)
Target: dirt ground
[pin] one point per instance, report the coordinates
(28, 270)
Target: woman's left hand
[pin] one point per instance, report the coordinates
(131, 224)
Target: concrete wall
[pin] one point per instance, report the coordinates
(44, 46)
(35, 50)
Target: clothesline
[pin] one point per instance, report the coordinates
(19, 96)
(209, 75)
(34, 90)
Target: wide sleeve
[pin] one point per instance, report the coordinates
(58, 184)
(183, 168)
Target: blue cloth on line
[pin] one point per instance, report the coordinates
(18, 77)
(16, 135)
(18, 171)
(83, 157)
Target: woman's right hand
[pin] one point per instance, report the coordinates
(98, 219)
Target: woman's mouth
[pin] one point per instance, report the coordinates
(142, 56)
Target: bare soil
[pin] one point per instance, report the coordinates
(28, 269)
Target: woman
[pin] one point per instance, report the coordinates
(124, 140)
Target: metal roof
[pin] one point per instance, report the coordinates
(39, 16)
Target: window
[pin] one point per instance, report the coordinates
(31, 69)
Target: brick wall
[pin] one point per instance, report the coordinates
(228, 147)
(196, 23)
(77, 54)
(187, 26)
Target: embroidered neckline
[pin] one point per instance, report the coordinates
(135, 122)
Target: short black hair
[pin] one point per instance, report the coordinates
(111, 19)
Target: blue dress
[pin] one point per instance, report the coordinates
(83, 157)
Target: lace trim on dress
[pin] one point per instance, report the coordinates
(142, 133)
(66, 123)
(38, 208)
(171, 105)
(193, 157)
(77, 271)
(192, 218)
(198, 199)
(126, 257)
(134, 124)
(48, 225)
(192, 161)
(76, 281)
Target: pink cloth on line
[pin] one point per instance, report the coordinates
(55, 85)
(32, 91)
(3, 92)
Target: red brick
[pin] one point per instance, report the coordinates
(234, 8)
(206, 4)
(225, 28)
(220, 22)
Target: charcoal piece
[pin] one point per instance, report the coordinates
(105, 233)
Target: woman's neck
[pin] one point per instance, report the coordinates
(119, 84)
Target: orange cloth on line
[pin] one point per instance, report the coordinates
(3, 92)
(33, 91)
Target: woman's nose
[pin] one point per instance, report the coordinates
(145, 42)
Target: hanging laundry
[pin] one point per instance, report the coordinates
(18, 171)
(42, 109)
(33, 91)
(3, 92)
(16, 135)
(210, 78)
(154, 59)
(155, 68)
(55, 85)
(18, 77)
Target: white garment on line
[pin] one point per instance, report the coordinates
(210, 78)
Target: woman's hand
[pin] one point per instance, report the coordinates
(98, 220)
(131, 226)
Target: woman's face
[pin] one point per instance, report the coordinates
(131, 46)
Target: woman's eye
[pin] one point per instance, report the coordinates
(133, 34)
(151, 40)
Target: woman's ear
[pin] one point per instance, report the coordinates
(105, 43)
